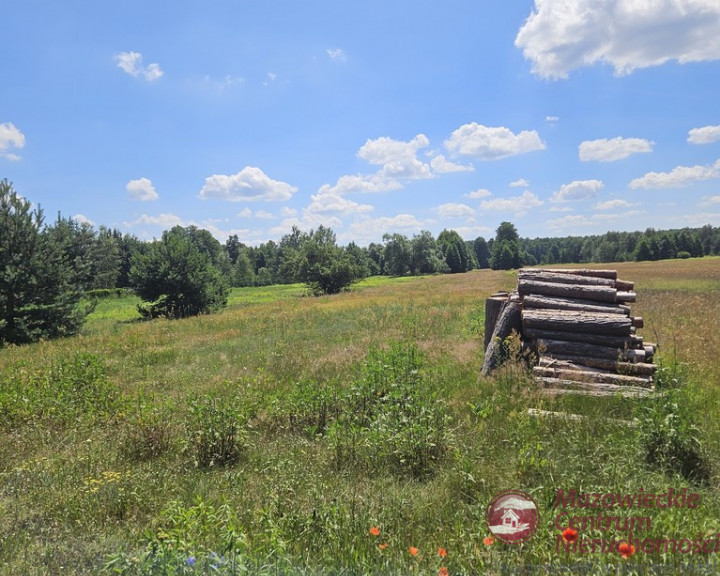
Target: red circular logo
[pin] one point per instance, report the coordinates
(512, 516)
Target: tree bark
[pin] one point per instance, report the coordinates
(587, 337)
(549, 302)
(493, 308)
(509, 320)
(624, 285)
(611, 274)
(592, 376)
(557, 278)
(563, 347)
(572, 321)
(625, 297)
(559, 386)
(635, 369)
(594, 293)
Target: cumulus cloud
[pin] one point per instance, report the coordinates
(10, 137)
(132, 63)
(577, 221)
(250, 184)
(577, 190)
(329, 203)
(492, 143)
(678, 177)
(710, 200)
(441, 165)
(519, 183)
(612, 204)
(562, 35)
(336, 54)
(704, 135)
(605, 150)
(164, 220)
(142, 189)
(455, 210)
(397, 159)
(361, 183)
(366, 230)
(519, 205)
(552, 119)
(479, 193)
(82, 219)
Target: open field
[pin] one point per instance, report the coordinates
(269, 438)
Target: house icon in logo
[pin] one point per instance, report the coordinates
(512, 516)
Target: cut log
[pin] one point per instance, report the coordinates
(509, 320)
(624, 285)
(557, 278)
(637, 321)
(552, 303)
(558, 386)
(563, 347)
(587, 337)
(493, 308)
(571, 321)
(575, 417)
(625, 297)
(592, 376)
(611, 274)
(635, 369)
(595, 293)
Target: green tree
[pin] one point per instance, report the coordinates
(425, 256)
(176, 278)
(38, 296)
(454, 251)
(324, 266)
(397, 254)
(482, 252)
(505, 252)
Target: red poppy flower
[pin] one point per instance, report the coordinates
(413, 551)
(488, 540)
(442, 552)
(570, 535)
(443, 571)
(626, 550)
(375, 531)
(382, 546)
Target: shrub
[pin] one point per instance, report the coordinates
(683, 255)
(216, 430)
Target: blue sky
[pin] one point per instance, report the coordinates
(565, 117)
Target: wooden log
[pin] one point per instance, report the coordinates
(536, 412)
(611, 274)
(553, 303)
(564, 347)
(559, 386)
(592, 376)
(509, 321)
(625, 297)
(635, 369)
(595, 293)
(637, 321)
(493, 308)
(572, 321)
(587, 337)
(624, 285)
(649, 353)
(558, 278)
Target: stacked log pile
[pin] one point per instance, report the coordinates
(579, 324)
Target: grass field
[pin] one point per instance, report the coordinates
(271, 437)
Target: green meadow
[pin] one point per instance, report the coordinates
(270, 438)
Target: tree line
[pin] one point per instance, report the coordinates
(49, 273)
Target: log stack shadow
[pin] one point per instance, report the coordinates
(578, 326)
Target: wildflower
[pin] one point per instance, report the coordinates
(383, 546)
(626, 550)
(488, 540)
(570, 535)
(443, 571)
(375, 531)
(191, 560)
(442, 552)
(413, 551)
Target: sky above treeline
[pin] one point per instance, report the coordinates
(565, 117)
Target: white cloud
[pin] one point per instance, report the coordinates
(264, 215)
(164, 220)
(361, 183)
(492, 143)
(472, 232)
(250, 184)
(245, 213)
(679, 177)
(142, 189)
(560, 209)
(397, 159)
(287, 212)
(366, 230)
(519, 205)
(82, 219)
(562, 35)
(519, 183)
(336, 54)
(441, 165)
(552, 119)
(704, 135)
(327, 203)
(454, 210)
(577, 190)
(709, 200)
(576, 221)
(131, 63)
(605, 150)
(10, 137)
(479, 193)
(612, 204)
